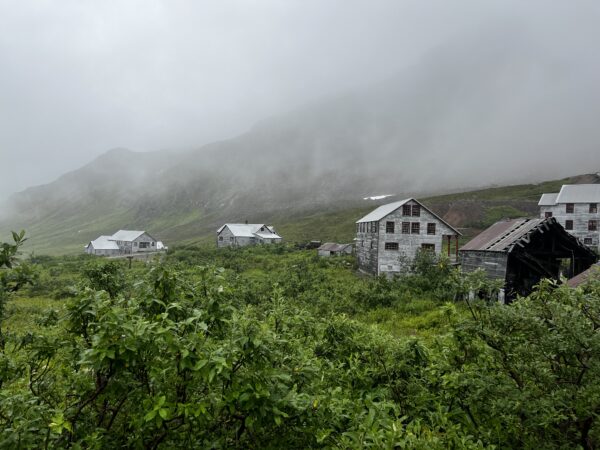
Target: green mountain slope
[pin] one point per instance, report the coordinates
(470, 211)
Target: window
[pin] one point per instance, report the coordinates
(220, 238)
(587, 241)
(152, 244)
(389, 227)
(416, 210)
(373, 227)
(405, 227)
(593, 225)
(570, 208)
(406, 210)
(568, 224)
(593, 208)
(231, 238)
(431, 228)
(135, 244)
(428, 247)
(415, 228)
(391, 246)
(547, 214)
(144, 244)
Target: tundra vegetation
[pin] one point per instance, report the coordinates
(271, 347)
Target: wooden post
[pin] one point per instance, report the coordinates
(449, 244)
(456, 242)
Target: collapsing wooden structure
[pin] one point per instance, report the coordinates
(523, 251)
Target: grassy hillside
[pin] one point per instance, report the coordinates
(177, 224)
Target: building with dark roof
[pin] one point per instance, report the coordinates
(333, 249)
(523, 251)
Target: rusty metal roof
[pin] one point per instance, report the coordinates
(504, 235)
(591, 273)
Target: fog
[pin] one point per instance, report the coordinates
(81, 77)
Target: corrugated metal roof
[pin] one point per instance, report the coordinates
(126, 235)
(382, 211)
(104, 243)
(504, 235)
(548, 199)
(592, 272)
(250, 230)
(333, 247)
(579, 193)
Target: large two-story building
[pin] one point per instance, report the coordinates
(388, 238)
(575, 207)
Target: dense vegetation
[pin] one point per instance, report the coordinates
(274, 348)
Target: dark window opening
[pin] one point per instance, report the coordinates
(428, 247)
(220, 238)
(587, 241)
(547, 214)
(416, 210)
(568, 224)
(389, 227)
(406, 210)
(391, 246)
(593, 208)
(431, 228)
(405, 227)
(570, 208)
(415, 228)
(593, 225)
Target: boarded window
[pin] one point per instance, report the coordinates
(570, 208)
(428, 247)
(406, 210)
(391, 246)
(547, 214)
(405, 227)
(431, 228)
(415, 228)
(593, 225)
(416, 210)
(389, 227)
(568, 224)
(593, 208)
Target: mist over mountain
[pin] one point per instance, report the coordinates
(473, 113)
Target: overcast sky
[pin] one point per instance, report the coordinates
(80, 77)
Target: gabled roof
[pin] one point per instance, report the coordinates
(333, 247)
(250, 230)
(379, 213)
(104, 243)
(503, 236)
(572, 193)
(384, 210)
(548, 199)
(126, 235)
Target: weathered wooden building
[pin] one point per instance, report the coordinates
(124, 242)
(388, 238)
(576, 209)
(243, 234)
(333, 249)
(523, 251)
(102, 246)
